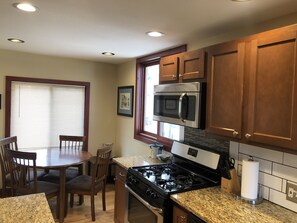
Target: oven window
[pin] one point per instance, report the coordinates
(138, 213)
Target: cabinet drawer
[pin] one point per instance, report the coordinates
(121, 173)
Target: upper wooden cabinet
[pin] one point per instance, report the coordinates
(225, 89)
(272, 97)
(252, 89)
(188, 66)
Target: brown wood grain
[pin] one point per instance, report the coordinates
(225, 89)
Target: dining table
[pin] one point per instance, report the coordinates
(59, 159)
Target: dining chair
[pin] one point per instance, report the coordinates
(11, 143)
(23, 173)
(91, 185)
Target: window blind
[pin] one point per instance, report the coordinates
(41, 112)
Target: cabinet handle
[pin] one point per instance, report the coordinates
(174, 76)
(235, 133)
(122, 175)
(247, 136)
(180, 75)
(183, 219)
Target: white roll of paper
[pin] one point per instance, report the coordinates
(249, 179)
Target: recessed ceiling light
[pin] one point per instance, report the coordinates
(108, 54)
(155, 34)
(14, 40)
(27, 7)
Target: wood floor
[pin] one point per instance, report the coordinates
(82, 213)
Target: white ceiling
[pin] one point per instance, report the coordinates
(85, 28)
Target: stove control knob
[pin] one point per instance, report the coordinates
(148, 192)
(154, 195)
(132, 180)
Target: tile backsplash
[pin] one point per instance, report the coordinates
(275, 170)
(201, 138)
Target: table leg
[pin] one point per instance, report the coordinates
(62, 194)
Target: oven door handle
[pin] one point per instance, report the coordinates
(159, 210)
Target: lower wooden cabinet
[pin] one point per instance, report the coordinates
(120, 195)
(179, 215)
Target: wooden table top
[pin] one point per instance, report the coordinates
(53, 157)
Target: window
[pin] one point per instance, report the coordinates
(146, 129)
(41, 110)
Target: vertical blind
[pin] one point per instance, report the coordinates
(41, 112)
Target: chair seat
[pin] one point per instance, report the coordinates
(54, 175)
(82, 183)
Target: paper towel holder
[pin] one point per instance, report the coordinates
(259, 198)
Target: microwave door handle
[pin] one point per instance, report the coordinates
(180, 106)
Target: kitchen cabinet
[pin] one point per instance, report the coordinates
(272, 98)
(120, 195)
(179, 215)
(225, 89)
(252, 90)
(182, 67)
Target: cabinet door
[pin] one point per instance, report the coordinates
(272, 105)
(192, 65)
(120, 195)
(225, 89)
(179, 215)
(169, 68)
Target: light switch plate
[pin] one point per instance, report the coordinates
(291, 192)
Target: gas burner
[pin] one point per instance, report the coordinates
(167, 170)
(170, 185)
(148, 173)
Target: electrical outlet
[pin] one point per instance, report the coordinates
(291, 192)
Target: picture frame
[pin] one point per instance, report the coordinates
(125, 101)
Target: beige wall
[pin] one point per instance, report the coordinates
(101, 76)
(127, 145)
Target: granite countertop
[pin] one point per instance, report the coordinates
(131, 161)
(32, 208)
(214, 206)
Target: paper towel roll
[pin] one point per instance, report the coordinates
(249, 179)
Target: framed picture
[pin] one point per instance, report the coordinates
(125, 100)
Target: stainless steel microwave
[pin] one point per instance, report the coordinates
(180, 104)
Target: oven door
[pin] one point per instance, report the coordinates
(141, 211)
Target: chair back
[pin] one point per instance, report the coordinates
(23, 173)
(72, 142)
(99, 166)
(6, 143)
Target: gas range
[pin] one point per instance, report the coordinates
(167, 178)
(191, 168)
